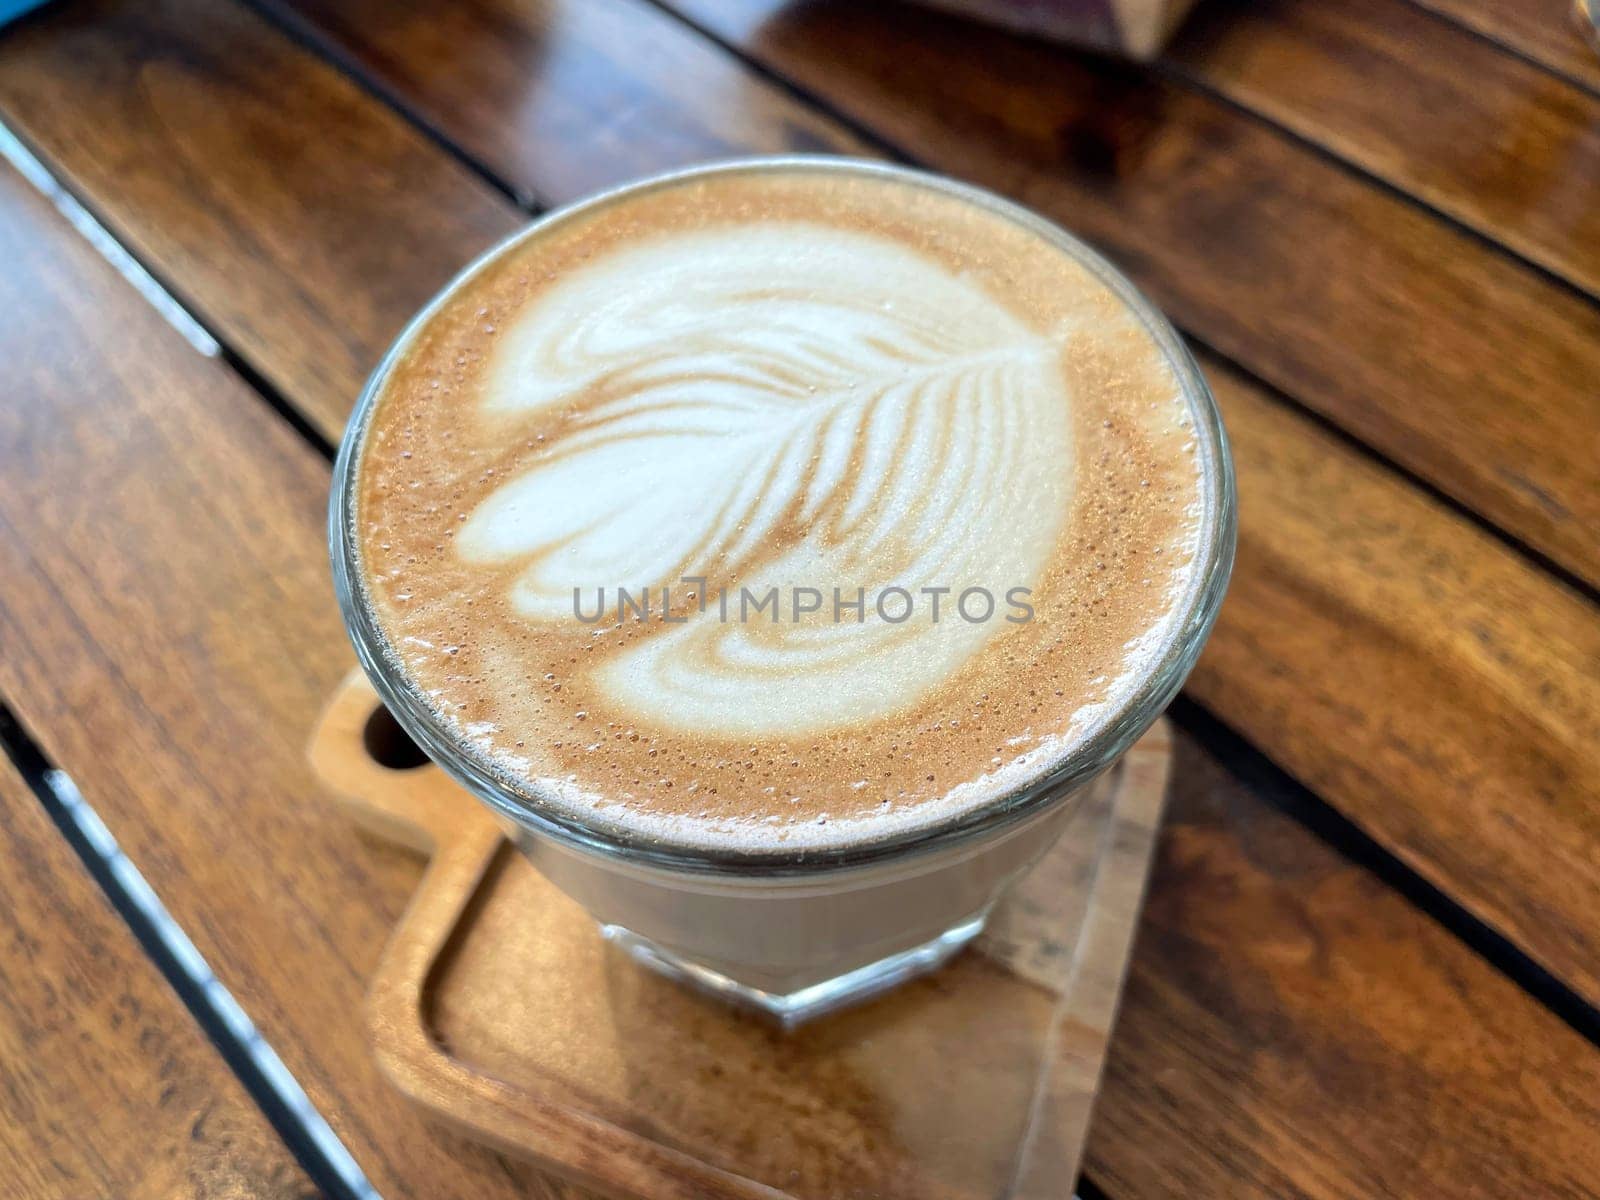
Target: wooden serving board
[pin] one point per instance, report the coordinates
(498, 1007)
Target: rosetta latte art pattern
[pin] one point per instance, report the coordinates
(777, 405)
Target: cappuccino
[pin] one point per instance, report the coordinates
(778, 509)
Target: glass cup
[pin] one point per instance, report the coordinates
(796, 934)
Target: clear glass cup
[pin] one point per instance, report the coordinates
(795, 934)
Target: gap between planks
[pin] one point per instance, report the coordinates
(226, 1025)
(268, 1082)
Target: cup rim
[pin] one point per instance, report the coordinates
(521, 803)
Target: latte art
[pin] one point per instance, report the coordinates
(790, 387)
(771, 404)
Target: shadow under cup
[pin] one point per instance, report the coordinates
(796, 934)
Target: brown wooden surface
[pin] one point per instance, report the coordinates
(303, 223)
(565, 97)
(1294, 1029)
(107, 1086)
(1400, 736)
(1496, 142)
(1545, 31)
(1294, 1026)
(1444, 693)
(187, 126)
(169, 636)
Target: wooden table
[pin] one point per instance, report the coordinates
(1370, 963)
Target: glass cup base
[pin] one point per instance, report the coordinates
(790, 1009)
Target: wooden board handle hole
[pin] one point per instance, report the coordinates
(388, 745)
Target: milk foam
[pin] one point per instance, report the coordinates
(768, 375)
(794, 379)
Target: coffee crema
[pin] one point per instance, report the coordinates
(782, 507)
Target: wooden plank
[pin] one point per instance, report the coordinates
(107, 1086)
(1470, 369)
(562, 98)
(169, 634)
(185, 127)
(1326, 542)
(1546, 31)
(190, 132)
(1442, 692)
(1497, 143)
(1292, 1028)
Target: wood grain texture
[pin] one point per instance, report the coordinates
(1489, 138)
(107, 1086)
(304, 221)
(1442, 692)
(1457, 734)
(301, 221)
(1546, 31)
(561, 98)
(1243, 1060)
(169, 635)
(1465, 366)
